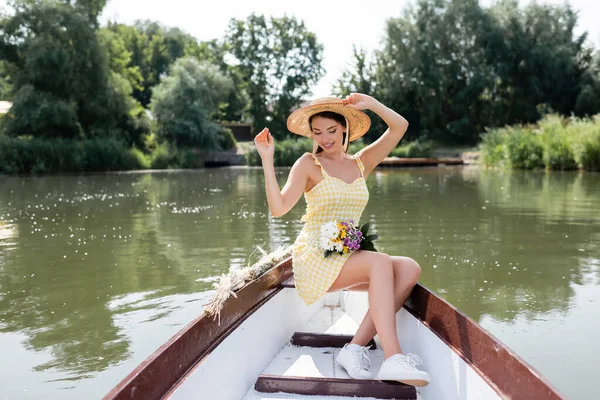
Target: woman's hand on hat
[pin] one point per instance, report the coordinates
(264, 143)
(359, 101)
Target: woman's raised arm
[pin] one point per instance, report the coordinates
(374, 153)
(280, 202)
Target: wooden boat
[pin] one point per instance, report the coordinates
(269, 345)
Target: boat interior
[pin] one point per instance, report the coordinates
(266, 343)
(293, 347)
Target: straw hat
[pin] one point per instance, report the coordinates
(357, 122)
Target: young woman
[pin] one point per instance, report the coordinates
(334, 186)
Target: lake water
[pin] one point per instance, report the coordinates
(97, 271)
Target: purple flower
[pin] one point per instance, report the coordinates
(359, 234)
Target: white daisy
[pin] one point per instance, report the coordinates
(329, 231)
(339, 247)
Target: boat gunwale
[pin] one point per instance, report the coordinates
(163, 371)
(489, 357)
(472, 343)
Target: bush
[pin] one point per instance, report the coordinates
(525, 149)
(558, 152)
(493, 148)
(356, 146)
(64, 155)
(289, 150)
(286, 152)
(166, 156)
(184, 102)
(416, 149)
(226, 139)
(586, 145)
(555, 143)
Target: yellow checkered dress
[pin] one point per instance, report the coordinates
(331, 199)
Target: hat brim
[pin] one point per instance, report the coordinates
(359, 122)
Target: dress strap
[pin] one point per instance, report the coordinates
(319, 164)
(361, 167)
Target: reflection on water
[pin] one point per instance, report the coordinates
(98, 271)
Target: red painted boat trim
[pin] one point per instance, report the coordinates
(160, 372)
(506, 372)
(317, 386)
(503, 370)
(310, 339)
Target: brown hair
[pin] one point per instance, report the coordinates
(330, 115)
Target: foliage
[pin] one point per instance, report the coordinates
(227, 140)
(453, 68)
(62, 84)
(289, 150)
(19, 156)
(286, 152)
(185, 101)
(153, 48)
(414, 149)
(524, 148)
(555, 143)
(5, 82)
(278, 60)
(586, 142)
(62, 155)
(166, 156)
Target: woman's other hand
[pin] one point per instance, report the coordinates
(265, 145)
(360, 101)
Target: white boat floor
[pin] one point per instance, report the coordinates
(316, 362)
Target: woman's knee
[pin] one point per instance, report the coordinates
(415, 269)
(382, 264)
(406, 269)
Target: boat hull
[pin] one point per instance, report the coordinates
(223, 360)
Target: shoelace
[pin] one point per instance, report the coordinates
(365, 360)
(413, 360)
(361, 359)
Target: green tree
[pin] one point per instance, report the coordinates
(432, 67)
(154, 48)
(90, 9)
(185, 102)
(361, 78)
(279, 60)
(358, 78)
(454, 68)
(539, 61)
(588, 99)
(62, 83)
(120, 58)
(126, 79)
(5, 82)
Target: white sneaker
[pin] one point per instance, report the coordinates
(403, 368)
(355, 360)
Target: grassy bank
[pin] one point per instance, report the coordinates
(554, 143)
(62, 155)
(288, 151)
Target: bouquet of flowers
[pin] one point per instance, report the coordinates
(343, 237)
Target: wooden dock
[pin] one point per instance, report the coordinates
(396, 162)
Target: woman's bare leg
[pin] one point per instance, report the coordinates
(406, 274)
(375, 269)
